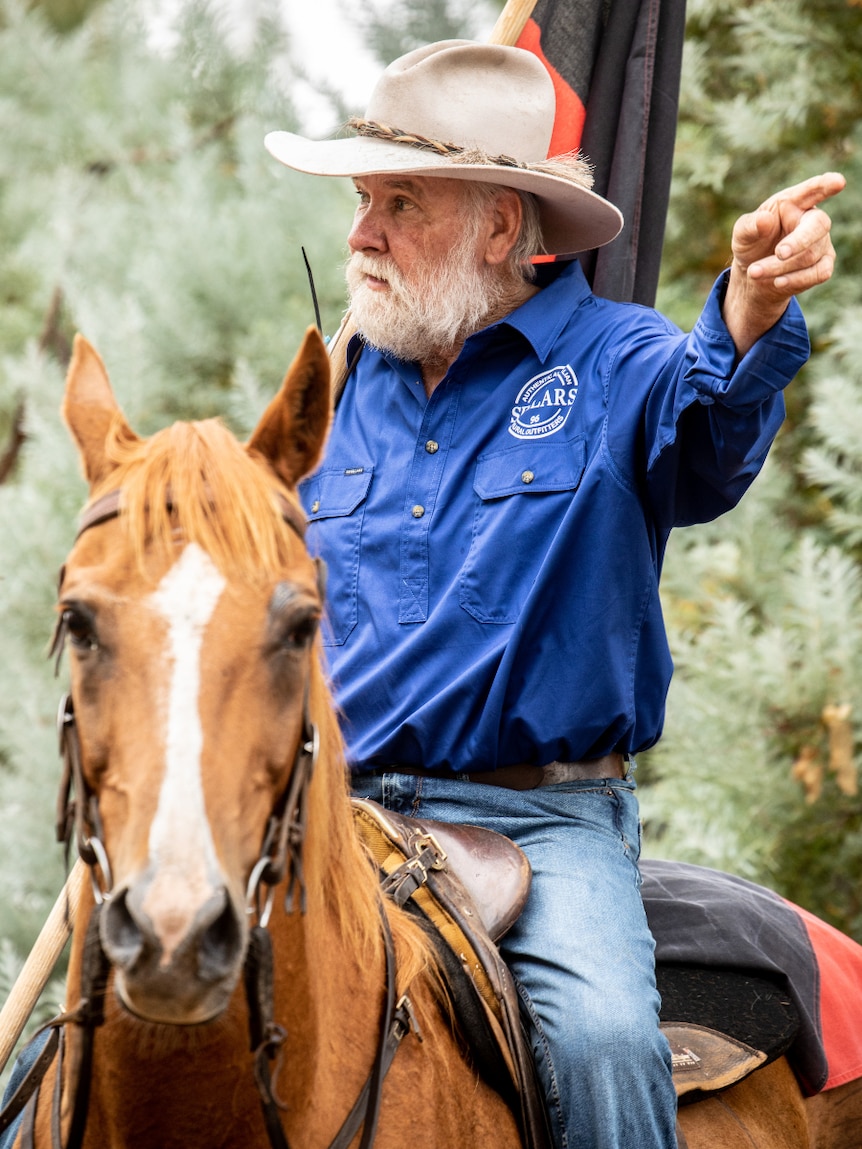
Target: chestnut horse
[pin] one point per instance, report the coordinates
(190, 607)
(199, 727)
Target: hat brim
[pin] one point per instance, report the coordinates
(574, 219)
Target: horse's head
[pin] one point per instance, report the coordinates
(189, 605)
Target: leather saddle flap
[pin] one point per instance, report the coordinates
(705, 1060)
(493, 870)
(469, 884)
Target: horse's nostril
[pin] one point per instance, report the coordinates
(121, 935)
(220, 943)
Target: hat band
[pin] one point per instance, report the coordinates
(375, 130)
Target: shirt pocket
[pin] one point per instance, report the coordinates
(521, 496)
(335, 503)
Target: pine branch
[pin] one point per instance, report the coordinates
(16, 441)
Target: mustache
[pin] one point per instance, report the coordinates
(381, 267)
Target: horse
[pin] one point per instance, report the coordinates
(209, 791)
(768, 1111)
(204, 728)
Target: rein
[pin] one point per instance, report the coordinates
(281, 859)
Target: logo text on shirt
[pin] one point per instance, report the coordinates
(543, 405)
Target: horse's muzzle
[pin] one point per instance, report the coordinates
(179, 966)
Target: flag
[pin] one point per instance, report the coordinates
(616, 65)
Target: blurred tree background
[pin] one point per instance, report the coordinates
(757, 772)
(138, 205)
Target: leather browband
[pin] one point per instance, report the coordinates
(108, 507)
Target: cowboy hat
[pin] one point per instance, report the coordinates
(467, 111)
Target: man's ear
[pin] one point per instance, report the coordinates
(292, 431)
(91, 411)
(504, 226)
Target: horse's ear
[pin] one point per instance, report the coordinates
(90, 410)
(292, 431)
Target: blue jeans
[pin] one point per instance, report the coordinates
(19, 1071)
(581, 950)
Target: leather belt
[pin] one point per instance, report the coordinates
(523, 776)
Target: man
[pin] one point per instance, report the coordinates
(505, 465)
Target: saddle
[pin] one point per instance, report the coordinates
(468, 885)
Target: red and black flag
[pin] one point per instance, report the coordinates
(616, 68)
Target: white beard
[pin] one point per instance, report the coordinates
(426, 315)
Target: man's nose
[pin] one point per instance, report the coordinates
(366, 234)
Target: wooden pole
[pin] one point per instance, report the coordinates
(39, 965)
(509, 26)
(511, 21)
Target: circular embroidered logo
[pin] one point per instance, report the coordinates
(543, 405)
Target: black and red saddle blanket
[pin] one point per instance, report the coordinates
(794, 982)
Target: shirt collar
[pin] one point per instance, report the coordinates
(541, 319)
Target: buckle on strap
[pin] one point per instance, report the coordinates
(406, 879)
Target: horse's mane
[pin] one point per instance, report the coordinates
(195, 481)
(355, 899)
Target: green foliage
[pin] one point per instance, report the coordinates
(64, 15)
(763, 606)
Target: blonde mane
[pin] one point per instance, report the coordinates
(195, 481)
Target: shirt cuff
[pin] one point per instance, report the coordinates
(770, 364)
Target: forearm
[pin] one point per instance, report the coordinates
(747, 313)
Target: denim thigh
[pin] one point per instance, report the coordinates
(581, 950)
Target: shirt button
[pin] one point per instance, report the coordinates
(527, 476)
(431, 447)
(315, 506)
(418, 511)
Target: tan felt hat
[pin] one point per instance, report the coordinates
(467, 111)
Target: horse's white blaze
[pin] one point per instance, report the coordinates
(182, 852)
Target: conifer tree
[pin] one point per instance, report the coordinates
(138, 206)
(757, 770)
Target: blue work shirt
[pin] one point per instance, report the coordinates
(494, 550)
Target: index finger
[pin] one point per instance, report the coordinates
(809, 193)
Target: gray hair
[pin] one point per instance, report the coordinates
(477, 199)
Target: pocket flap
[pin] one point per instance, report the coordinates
(530, 468)
(332, 494)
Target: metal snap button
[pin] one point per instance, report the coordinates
(527, 476)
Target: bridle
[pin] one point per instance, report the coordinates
(280, 860)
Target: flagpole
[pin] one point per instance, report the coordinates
(511, 21)
(40, 963)
(509, 26)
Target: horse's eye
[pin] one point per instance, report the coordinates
(80, 628)
(299, 633)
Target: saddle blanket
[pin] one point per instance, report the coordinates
(700, 916)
